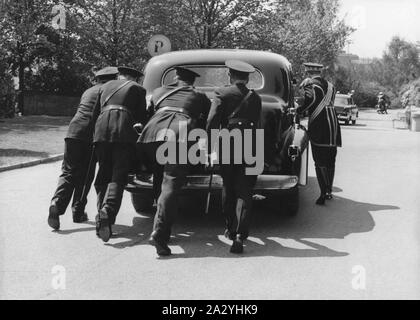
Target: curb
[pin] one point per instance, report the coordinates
(32, 163)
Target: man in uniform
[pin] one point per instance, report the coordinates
(174, 105)
(77, 155)
(323, 127)
(383, 102)
(236, 106)
(121, 104)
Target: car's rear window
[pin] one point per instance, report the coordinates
(214, 76)
(342, 101)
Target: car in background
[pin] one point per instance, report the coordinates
(285, 140)
(345, 108)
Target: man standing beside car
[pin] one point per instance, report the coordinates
(323, 127)
(120, 104)
(236, 107)
(77, 154)
(173, 106)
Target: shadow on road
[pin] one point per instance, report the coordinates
(22, 153)
(353, 125)
(197, 235)
(21, 125)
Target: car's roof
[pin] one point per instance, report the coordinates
(218, 56)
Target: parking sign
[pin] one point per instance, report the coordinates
(158, 44)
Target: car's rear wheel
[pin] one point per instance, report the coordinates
(143, 202)
(286, 203)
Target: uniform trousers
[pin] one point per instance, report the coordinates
(77, 154)
(146, 152)
(324, 158)
(174, 178)
(116, 161)
(237, 198)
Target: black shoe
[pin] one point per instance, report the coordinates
(80, 218)
(97, 225)
(237, 245)
(161, 246)
(328, 196)
(321, 200)
(53, 216)
(231, 235)
(103, 226)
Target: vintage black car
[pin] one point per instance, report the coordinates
(285, 141)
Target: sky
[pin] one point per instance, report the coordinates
(377, 21)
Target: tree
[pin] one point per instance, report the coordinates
(216, 23)
(21, 23)
(7, 96)
(410, 94)
(112, 32)
(401, 63)
(301, 30)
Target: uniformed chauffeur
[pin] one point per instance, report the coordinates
(323, 127)
(224, 113)
(177, 103)
(121, 104)
(77, 154)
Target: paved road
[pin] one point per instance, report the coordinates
(369, 232)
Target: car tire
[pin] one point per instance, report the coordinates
(353, 122)
(346, 122)
(291, 202)
(287, 203)
(143, 202)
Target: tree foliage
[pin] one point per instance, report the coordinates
(399, 66)
(301, 30)
(23, 24)
(116, 32)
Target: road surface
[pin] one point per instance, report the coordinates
(363, 245)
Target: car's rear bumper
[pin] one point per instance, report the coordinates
(265, 183)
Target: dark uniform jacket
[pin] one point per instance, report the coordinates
(81, 126)
(114, 121)
(323, 127)
(195, 107)
(227, 100)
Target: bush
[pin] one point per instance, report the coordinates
(7, 96)
(410, 94)
(367, 95)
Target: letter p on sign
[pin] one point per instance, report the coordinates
(158, 44)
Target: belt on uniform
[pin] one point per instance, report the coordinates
(241, 122)
(174, 109)
(116, 107)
